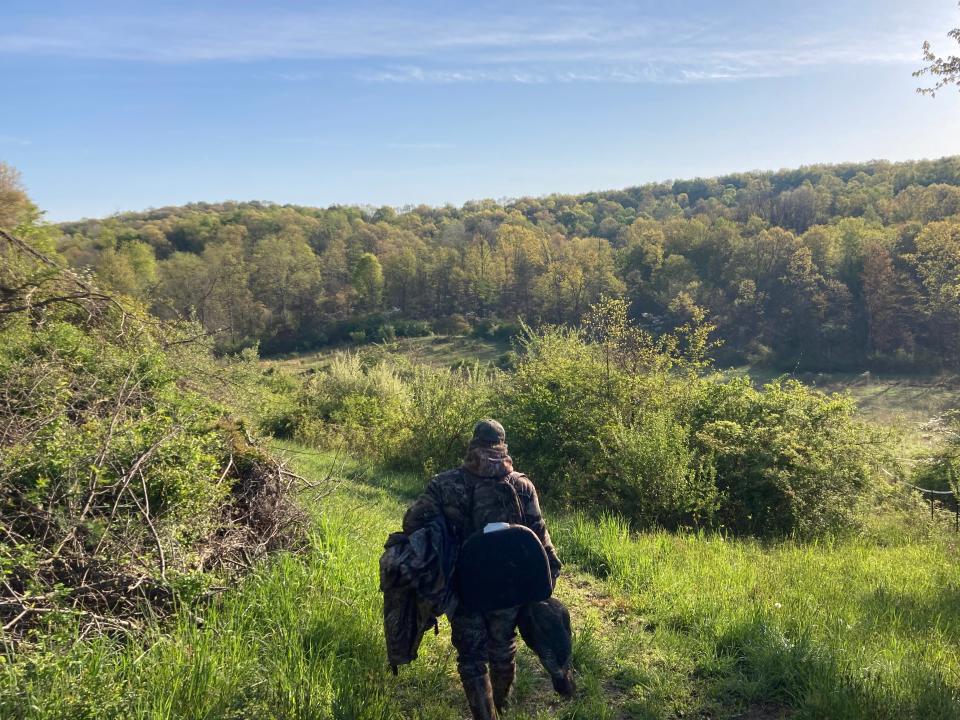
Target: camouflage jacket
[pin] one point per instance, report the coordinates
(469, 501)
(415, 578)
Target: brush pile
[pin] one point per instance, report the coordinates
(125, 489)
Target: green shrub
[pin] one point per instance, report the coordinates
(555, 408)
(414, 418)
(455, 324)
(494, 329)
(385, 333)
(668, 447)
(615, 420)
(438, 423)
(350, 403)
(123, 477)
(412, 328)
(653, 473)
(788, 460)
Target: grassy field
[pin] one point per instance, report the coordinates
(435, 350)
(885, 398)
(667, 626)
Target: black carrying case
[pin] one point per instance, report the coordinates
(503, 569)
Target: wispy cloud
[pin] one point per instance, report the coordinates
(609, 42)
(419, 74)
(11, 140)
(421, 146)
(656, 73)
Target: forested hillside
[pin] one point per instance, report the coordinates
(824, 266)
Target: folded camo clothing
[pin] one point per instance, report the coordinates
(545, 628)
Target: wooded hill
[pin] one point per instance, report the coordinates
(825, 266)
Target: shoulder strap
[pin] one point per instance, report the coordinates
(511, 479)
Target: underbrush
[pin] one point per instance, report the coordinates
(126, 484)
(611, 418)
(301, 637)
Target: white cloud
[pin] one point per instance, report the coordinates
(603, 43)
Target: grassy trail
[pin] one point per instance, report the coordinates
(666, 627)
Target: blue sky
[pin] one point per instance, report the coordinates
(113, 106)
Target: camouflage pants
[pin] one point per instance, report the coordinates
(484, 637)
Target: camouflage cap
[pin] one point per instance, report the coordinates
(488, 432)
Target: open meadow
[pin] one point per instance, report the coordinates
(734, 396)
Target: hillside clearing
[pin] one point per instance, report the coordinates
(434, 350)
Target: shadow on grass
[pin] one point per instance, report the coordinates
(756, 662)
(896, 609)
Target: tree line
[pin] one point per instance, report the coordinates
(828, 266)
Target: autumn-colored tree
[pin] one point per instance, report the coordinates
(938, 265)
(13, 198)
(884, 303)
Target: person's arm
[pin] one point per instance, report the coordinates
(424, 509)
(533, 519)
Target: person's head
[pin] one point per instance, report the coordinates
(488, 433)
(487, 454)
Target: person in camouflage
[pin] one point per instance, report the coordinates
(485, 489)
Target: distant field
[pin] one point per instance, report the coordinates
(909, 403)
(436, 350)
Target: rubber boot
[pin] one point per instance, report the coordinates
(501, 679)
(480, 698)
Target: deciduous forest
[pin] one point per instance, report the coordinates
(823, 267)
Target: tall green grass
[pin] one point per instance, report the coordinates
(666, 626)
(300, 638)
(833, 629)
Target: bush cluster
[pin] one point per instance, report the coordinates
(410, 417)
(612, 419)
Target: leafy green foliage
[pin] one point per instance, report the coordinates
(823, 267)
(613, 418)
(786, 459)
(410, 416)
